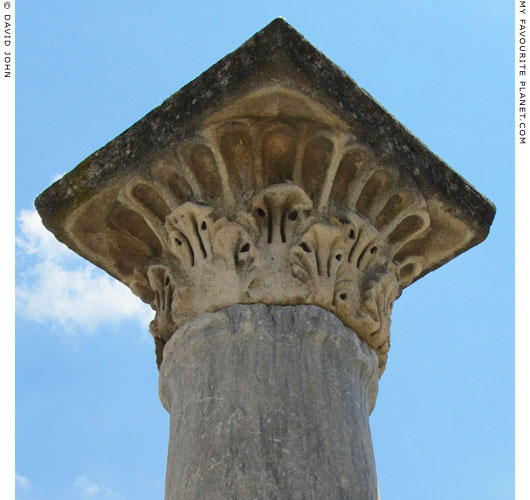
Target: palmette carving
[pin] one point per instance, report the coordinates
(279, 252)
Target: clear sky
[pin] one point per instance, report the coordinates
(89, 422)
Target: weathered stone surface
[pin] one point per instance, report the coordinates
(278, 253)
(272, 178)
(269, 402)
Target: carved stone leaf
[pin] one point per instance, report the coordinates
(279, 252)
(163, 286)
(315, 260)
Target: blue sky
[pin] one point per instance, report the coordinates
(89, 424)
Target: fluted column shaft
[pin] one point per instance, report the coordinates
(269, 402)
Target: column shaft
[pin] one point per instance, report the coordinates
(269, 402)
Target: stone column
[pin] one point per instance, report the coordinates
(269, 402)
(270, 212)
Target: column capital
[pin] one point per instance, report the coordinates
(272, 178)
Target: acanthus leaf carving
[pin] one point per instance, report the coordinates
(163, 325)
(333, 246)
(163, 285)
(190, 229)
(233, 268)
(281, 211)
(316, 259)
(280, 251)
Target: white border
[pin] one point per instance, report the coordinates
(522, 275)
(7, 190)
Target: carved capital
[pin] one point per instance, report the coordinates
(274, 212)
(316, 220)
(271, 199)
(279, 251)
